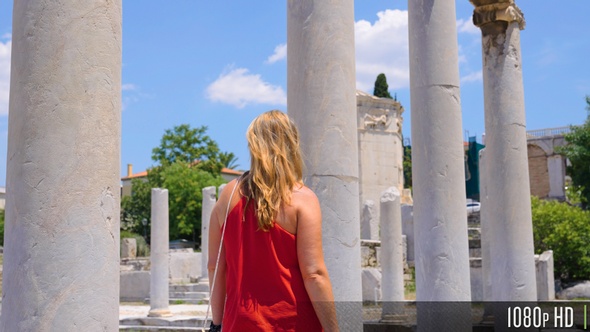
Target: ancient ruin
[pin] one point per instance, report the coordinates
(61, 262)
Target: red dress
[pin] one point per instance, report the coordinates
(265, 290)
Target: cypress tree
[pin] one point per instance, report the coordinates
(381, 87)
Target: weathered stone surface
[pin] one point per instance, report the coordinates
(159, 254)
(135, 286)
(380, 149)
(63, 171)
(476, 277)
(371, 280)
(128, 248)
(209, 199)
(510, 221)
(369, 221)
(580, 290)
(185, 266)
(408, 230)
(320, 35)
(545, 276)
(442, 264)
(392, 259)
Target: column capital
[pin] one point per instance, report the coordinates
(487, 11)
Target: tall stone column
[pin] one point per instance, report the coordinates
(322, 101)
(209, 199)
(61, 254)
(507, 173)
(440, 216)
(159, 255)
(392, 255)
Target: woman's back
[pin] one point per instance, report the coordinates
(265, 288)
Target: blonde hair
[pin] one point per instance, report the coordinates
(276, 165)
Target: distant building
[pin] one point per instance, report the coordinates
(546, 167)
(226, 173)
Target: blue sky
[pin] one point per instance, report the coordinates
(221, 63)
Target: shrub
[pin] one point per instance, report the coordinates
(143, 250)
(565, 229)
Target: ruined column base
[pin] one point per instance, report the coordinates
(394, 319)
(160, 313)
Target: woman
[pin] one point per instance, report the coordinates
(271, 274)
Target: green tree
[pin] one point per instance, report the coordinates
(578, 152)
(407, 165)
(186, 144)
(228, 160)
(189, 160)
(564, 229)
(381, 87)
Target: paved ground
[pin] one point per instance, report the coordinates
(177, 310)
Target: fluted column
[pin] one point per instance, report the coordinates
(322, 101)
(440, 216)
(510, 229)
(61, 249)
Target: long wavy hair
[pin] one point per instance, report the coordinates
(276, 165)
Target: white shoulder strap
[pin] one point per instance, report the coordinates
(219, 252)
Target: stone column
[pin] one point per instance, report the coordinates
(507, 173)
(485, 238)
(440, 216)
(322, 101)
(221, 187)
(61, 254)
(209, 199)
(392, 256)
(159, 255)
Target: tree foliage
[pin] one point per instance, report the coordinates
(407, 165)
(228, 160)
(381, 89)
(578, 152)
(564, 229)
(189, 161)
(186, 144)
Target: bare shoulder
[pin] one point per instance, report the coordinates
(304, 196)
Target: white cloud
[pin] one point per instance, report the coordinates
(466, 26)
(472, 77)
(5, 50)
(382, 47)
(279, 54)
(239, 88)
(128, 87)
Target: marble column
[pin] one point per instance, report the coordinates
(322, 101)
(61, 249)
(440, 216)
(484, 217)
(507, 173)
(392, 256)
(159, 255)
(209, 199)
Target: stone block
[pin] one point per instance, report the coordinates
(135, 286)
(578, 291)
(128, 248)
(545, 278)
(408, 230)
(476, 274)
(371, 279)
(184, 265)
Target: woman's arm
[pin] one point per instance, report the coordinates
(311, 259)
(217, 299)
